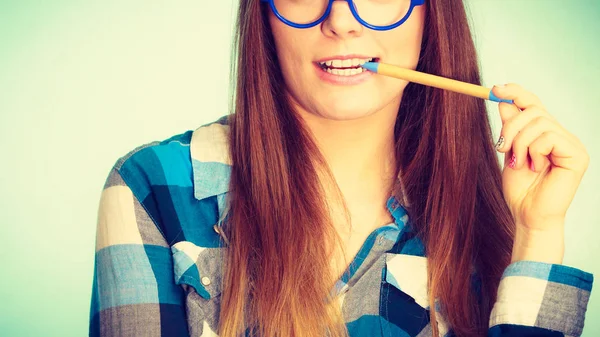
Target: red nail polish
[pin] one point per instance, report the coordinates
(513, 161)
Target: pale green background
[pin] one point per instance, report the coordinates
(82, 83)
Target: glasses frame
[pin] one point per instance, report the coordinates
(413, 4)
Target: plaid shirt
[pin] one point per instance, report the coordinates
(158, 258)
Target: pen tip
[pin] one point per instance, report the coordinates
(370, 66)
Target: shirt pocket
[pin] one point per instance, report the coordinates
(198, 268)
(404, 302)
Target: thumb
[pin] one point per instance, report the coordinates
(507, 110)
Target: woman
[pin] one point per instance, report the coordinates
(338, 202)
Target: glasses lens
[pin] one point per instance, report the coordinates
(374, 12)
(382, 12)
(301, 11)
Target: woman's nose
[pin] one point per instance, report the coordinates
(340, 22)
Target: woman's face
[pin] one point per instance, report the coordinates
(340, 37)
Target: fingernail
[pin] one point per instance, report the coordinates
(531, 167)
(513, 161)
(499, 143)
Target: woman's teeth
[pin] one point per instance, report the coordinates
(345, 72)
(346, 67)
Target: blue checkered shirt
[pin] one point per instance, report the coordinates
(158, 258)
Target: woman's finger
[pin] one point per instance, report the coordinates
(512, 127)
(561, 151)
(507, 112)
(523, 98)
(522, 140)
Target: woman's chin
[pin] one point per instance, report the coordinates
(350, 113)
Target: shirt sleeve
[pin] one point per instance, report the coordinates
(133, 292)
(540, 299)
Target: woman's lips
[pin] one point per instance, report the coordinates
(342, 79)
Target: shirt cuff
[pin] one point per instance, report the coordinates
(538, 294)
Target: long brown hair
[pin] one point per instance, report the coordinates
(277, 276)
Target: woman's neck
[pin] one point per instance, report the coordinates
(361, 156)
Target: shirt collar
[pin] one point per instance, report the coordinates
(398, 212)
(211, 163)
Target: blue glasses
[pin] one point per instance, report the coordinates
(373, 14)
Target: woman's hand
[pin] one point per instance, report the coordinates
(543, 167)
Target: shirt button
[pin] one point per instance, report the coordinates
(205, 281)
